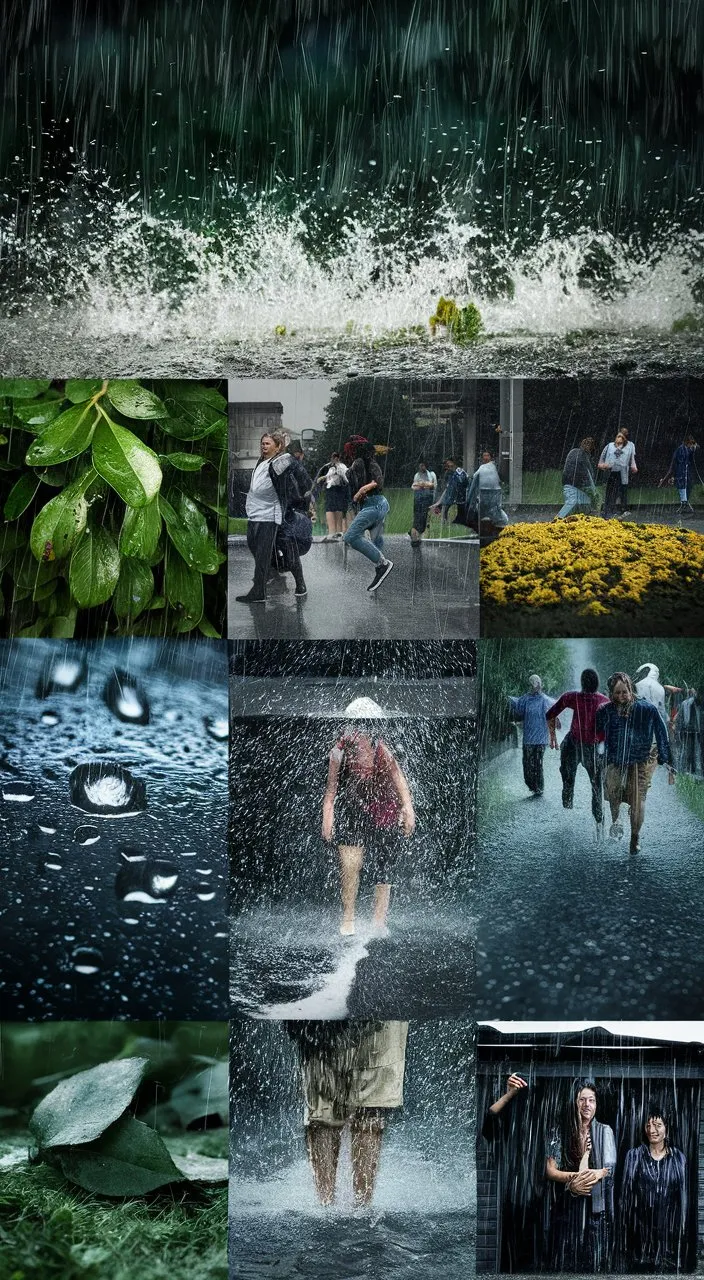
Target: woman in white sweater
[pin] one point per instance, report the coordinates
(619, 460)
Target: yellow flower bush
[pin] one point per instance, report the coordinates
(598, 566)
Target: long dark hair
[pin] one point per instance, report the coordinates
(572, 1140)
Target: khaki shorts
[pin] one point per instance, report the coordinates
(630, 785)
(367, 1074)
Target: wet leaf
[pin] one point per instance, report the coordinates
(204, 1094)
(183, 461)
(135, 401)
(194, 393)
(20, 495)
(129, 466)
(58, 526)
(130, 1159)
(23, 388)
(188, 530)
(191, 426)
(140, 531)
(207, 629)
(80, 389)
(184, 587)
(81, 1108)
(135, 588)
(66, 437)
(95, 568)
(38, 413)
(202, 1168)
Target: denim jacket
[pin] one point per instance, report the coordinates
(630, 737)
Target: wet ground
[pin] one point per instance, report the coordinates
(293, 963)
(568, 925)
(113, 834)
(431, 593)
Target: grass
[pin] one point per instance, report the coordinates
(544, 488)
(51, 1231)
(691, 791)
(399, 519)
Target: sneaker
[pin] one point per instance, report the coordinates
(382, 571)
(301, 591)
(250, 598)
(616, 831)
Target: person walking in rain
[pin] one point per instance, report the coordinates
(578, 481)
(367, 487)
(579, 746)
(423, 486)
(635, 743)
(683, 470)
(455, 492)
(689, 732)
(532, 708)
(619, 460)
(352, 1074)
(484, 496)
(368, 810)
(277, 495)
(337, 496)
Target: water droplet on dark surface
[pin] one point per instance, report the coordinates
(87, 960)
(50, 718)
(17, 791)
(107, 789)
(61, 674)
(217, 727)
(126, 698)
(146, 881)
(86, 835)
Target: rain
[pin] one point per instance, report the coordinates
(113, 828)
(290, 188)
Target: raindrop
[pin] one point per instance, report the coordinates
(17, 791)
(86, 835)
(87, 960)
(206, 897)
(49, 864)
(217, 727)
(50, 717)
(61, 675)
(107, 789)
(146, 881)
(46, 831)
(126, 698)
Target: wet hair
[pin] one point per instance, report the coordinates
(422, 462)
(334, 454)
(452, 461)
(589, 680)
(588, 444)
(277, 436)
(655, 1111)
(623, 435)
(573, 1128)
(621, 677)
(689, 438)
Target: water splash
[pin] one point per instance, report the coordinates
(107, 789)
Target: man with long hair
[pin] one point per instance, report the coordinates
(635, 743)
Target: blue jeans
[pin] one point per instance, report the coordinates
(371, 516)
(574, 498)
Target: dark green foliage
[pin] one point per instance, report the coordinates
(504, 668)
(113, 496)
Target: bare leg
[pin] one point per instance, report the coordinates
(339, 522)
(382, 897)
(330, 521)
(366, 1150)
(323, 1143)
(351, 858)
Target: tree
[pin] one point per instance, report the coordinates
(380, 410)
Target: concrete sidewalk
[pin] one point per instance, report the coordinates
(432, 593)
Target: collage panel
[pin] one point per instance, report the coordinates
(113, 827)
(353, 798)
(589, 1147)
(603, 531)
(591, 816)
(354, 491)
(113, 1149)
(352, 1148)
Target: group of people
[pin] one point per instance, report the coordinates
(619, 740)
(617, 462)
(280, 508)
(594, 1206)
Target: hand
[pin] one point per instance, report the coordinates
(361, 493)
(582, 1184)
(408, 821)
(553, 742)
(515, 1083)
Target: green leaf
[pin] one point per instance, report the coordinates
(38, 413)
(130, 1159)
(95, 568)
(202, 1168)
(207, 629)
(135, 401)
(20, 495)
(129, 466)
(183, 461)
(204, 1094)
(63, 626)
(135, 588)
(157, 602)
(190, 393)
(141, 530)
(190, 423)
(81, 1108)
(184, 587)
(64, 438)
(80, 389)
(188, 530)
(23, 388)
(58, 526)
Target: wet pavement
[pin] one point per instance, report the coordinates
(113, 870)
(431, 593)
(569, 926)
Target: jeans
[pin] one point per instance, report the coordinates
(574, 500)
(533, 769)
(422, 502)
(261, 537)
(371, 516)
(572, 754)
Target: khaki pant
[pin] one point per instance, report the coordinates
(362, 1072)
(629, 785)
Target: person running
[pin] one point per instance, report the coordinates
(367, 487)
(619, 460)
(277, 490)
(337, 497)
(532, 708)
(484, 496)
(580, 744)
(424, 484)
(455, 492)
(683, 470)
(578, 482)
(368, 810)
(635, 743)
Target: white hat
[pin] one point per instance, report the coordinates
(364, 709)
